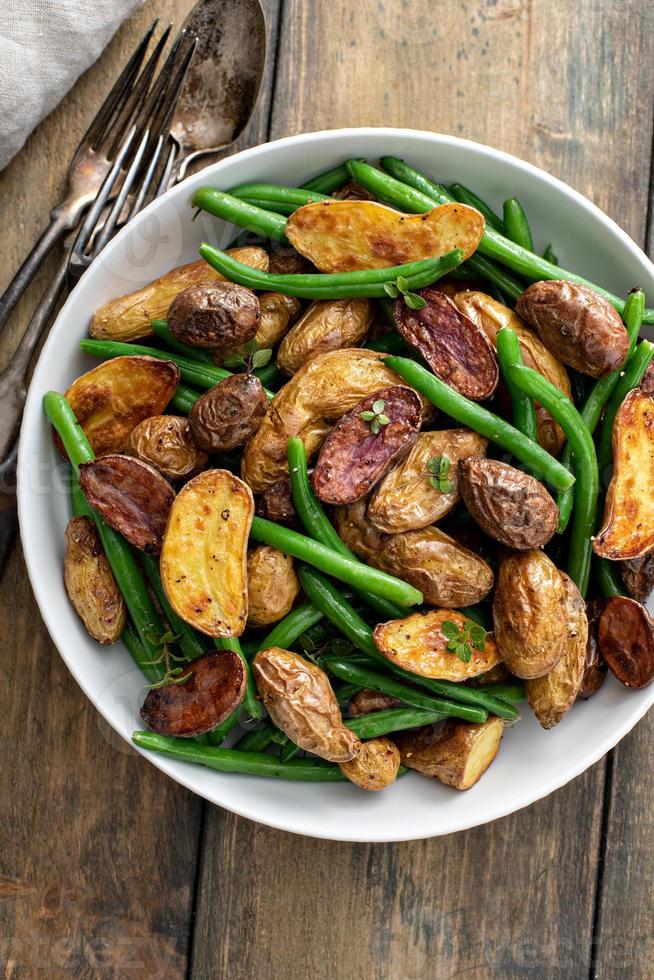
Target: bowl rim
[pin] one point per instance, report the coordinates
(171, 767)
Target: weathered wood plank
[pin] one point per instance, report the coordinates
(514, 899)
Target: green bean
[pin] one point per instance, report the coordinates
(368, 282)
(161, 330)
(250, 702)
(465, 196)
(187, 638)
(516, 226)
(631, 378)
(220, 733)
(229, 208)
(476, 615)
(379, 723)
(330, 562)
(318, 526)
(326, 597)
(355, 674)
(345, 692)
(328, 181)
(276, 207)
(184, 399)
(275, 193)
(494, 245)
(587, 486)
(608, 578)
(524, 414)
(288, 750)
(479, 419)
(291, 627)
(506, 690)
(550, 256)
(255, 741)
(599, 395)
(231, 760)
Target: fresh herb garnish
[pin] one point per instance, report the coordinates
(461, 640)
(172, 674)
(376, 417)
(400, 286)
(250, 357)
(439, 468)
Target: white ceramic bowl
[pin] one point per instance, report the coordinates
(531, 762)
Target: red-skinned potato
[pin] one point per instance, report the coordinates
(343, 236)
(325, 325)
(456, 753)
(579, 326)
(628, 528)
(110, 400)
(131, 496)
(276, 504)
(418, 644)
(626, 641)
(406, 499)
(364, 443)
(204, 553)
(228, 414)
(90, 583)
(508, 505)
(164, 441)
(301, 702)
(214, 315)
(366, 701)
(453, 346)
(213, 689)
(375, 767)
(638, 576)
(273, 585)
(595, 668)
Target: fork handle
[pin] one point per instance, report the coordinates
(60, 223)
(8, 509)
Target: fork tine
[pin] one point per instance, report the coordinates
(119, 92)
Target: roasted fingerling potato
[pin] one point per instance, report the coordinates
(214, 316)
(301, 702)
(278, 312)
(273, 585)
(165, 442)
(367, 701)
(130, 317)
(90, 583)
(595, 668)
(375, 767)
(456, 753)
(228, 414)
(276, 504)
(626, 641)
(325, 325)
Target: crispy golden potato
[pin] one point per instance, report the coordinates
(315, 397)
(129, 317)
(418, 644)
(204, 553)
(551, 697)
(273, 585)
(90, 583)
(366, 701)
(111, 399)
(406, 500)
(301, 702)
(638, 576)
(626, 641)
(529, 607)
(214, 315)
(164, 441)
(444, 571)
(595, 669)
(491, 316)
(508, 505)
(628, 528)
(357, 453)
(214, 687)
(342, 236)
(325, 325)
(454, 347)
(228, 414)
(131, 496)
(456, 753)
(376, 765)
(579, 326)
(277, 314)
(276, 504)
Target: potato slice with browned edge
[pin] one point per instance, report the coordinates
(204, 554)
(595, 668)
(447, 574)
(325, 325)
(273, 585)
(529, 612)
(454, 347)
(375, 767)
(90, 583)
(129, 317)
(418, 643)
(551, 697)
(164, 441)
(364, 443)
(316, 396)
(626, 641)
(508, 505)
(342, 236)
(110, 400)
(301, 702)
(491, 316)
(409, 497)
(213, 689)
(638, 576)
(131, 496)
(456, 753)
(628, 529)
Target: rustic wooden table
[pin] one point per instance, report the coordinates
(107, 868)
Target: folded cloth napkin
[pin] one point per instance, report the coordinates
(45, 45)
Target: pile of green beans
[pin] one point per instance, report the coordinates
(465, 196)
(522, 406)
(516, 226)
